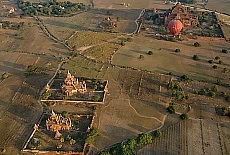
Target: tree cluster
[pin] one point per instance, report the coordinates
(129, 147)
(49, 8)
(12, 25)
(186, 1)
(209, 91)
(91, 135)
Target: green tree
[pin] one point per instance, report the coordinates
(211, 61)
(217, 57)
(72, 141)
(195, 57)
(144, 139)
(157, 133)
(65, 114)
(5, 75)
(184, 116)
(131, 142)
(150, 52)
(104, 153)
(122, 43)
(177, 50)
(197, 44)
(224, 51)
(62, 140)
(212, 94)
(214, 67)
(95, 98)
(171, 109)
(141, 56)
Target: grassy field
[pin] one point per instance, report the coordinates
(165, 59)
(89, 38)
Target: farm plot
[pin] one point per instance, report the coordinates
(165, 59)
(186, 137)
(144, 86)
(224, 136)
(30, 39)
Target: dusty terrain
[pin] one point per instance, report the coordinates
(137, 99)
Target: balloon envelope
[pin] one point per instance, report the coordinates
(175, 26)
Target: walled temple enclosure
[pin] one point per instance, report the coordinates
(75, 90)
(57, 132)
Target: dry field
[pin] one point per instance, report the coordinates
(31, 39)
(64, 27)
(220, 6)
(118, 4)
(226, 31)
(165, 59)
(19, 107)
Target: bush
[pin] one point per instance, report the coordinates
(129, 39)
(72, 141)
(184, 116)
(197, 44)
(211, 94)
(214, 67)
(119, 19)
(150, 52)
(217, 58)
(46, 95)
(141, 57)
(122, 43)
(224, 51)
(157, 133)
(227, 98)
(195, 57)
(171, 109)
(202, 92)
(214, 88)
(177, 50)
(104, 153)
(65, 114)
(95, 98)
(221, 62)
(89, 140)
(184, 77)
(223, 93)
(5, 75)
(211, 61)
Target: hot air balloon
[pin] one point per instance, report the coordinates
(175, 26)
